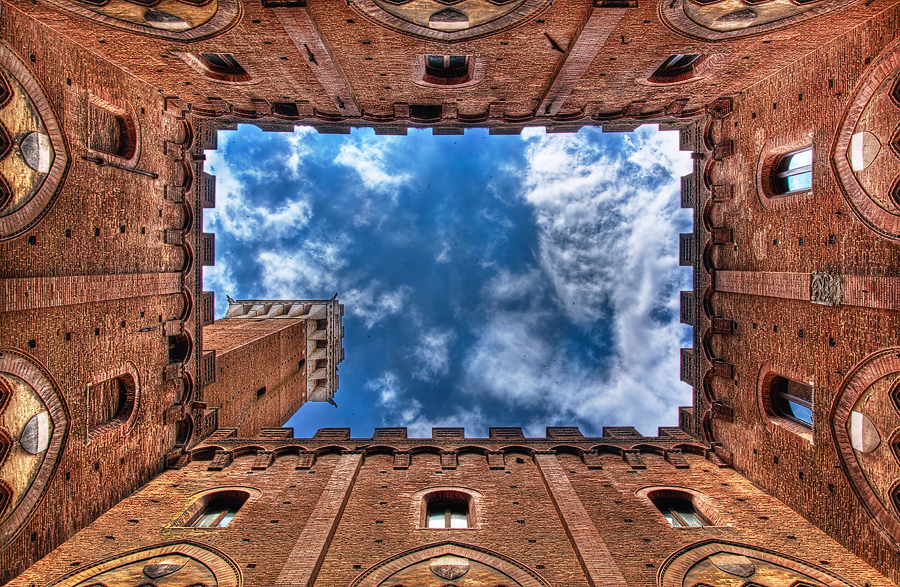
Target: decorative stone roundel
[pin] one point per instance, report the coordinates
(180, 20)
(33, 423)
(163, 565)
(449, 20)
(715, 20)
(866, 155)
(33, 157)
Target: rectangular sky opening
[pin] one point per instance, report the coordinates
(528, 280)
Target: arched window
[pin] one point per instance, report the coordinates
(222, 67)
(677, 68)
(682, 508)
(447, 70)
(792, 172)
(679, 511)
(216, 510)
(110, 404)
(791, 400)
(447, 509)
(111, 132)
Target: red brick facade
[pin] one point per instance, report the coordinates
(104, 119)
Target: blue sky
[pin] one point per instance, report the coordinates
(487, 280)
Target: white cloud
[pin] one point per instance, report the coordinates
(608, 240)
(432, 354)
(398, 409)
(368, 157)
(372, 304)
(236, 214)
(310, 269)
(218, 278)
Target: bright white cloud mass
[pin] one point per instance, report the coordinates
(488, 280)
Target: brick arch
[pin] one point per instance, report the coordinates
(517, 449)
(222, 567)
(227, 14)
(568, 449)
(675, 568)
(673, 15)
(858, 380)
(876, 218)
(472, 449)
(375, 575)
(31, 212)
(35, 375)
(370, 10)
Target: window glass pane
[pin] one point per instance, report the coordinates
(436, 519)
(801, 159)
(802, 181)
(690, 518)
(208, 518)
(457, 61)
(226, 519)
(671, 518)
(458, 520)
(436, 61)
(800, 412)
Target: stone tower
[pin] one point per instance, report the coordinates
(271, 357)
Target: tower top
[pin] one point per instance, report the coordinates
(324, 333)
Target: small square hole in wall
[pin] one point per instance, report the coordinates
(96, 332)
(800, 240)
(539, 566)
(32, 344)
(251, 565)
(32, 240)
(832, 342)
(96, 232)
(357, 567)
(68, 336)
(754, 326)
(68, 233)
(801, 334)
(831, 239)
(532, 541)
(775, 328)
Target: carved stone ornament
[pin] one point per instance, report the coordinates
(734, 564)
(825, 288)
(449, 567)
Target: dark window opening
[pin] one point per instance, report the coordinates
(111, 401)
(260, 392)
(223, 67)
(677, 68)
(111, 133)
(447, 70)
(792, 400)
(219, 509)
(680, 512)
(179, 347)
(430, 113)
(793, 172)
